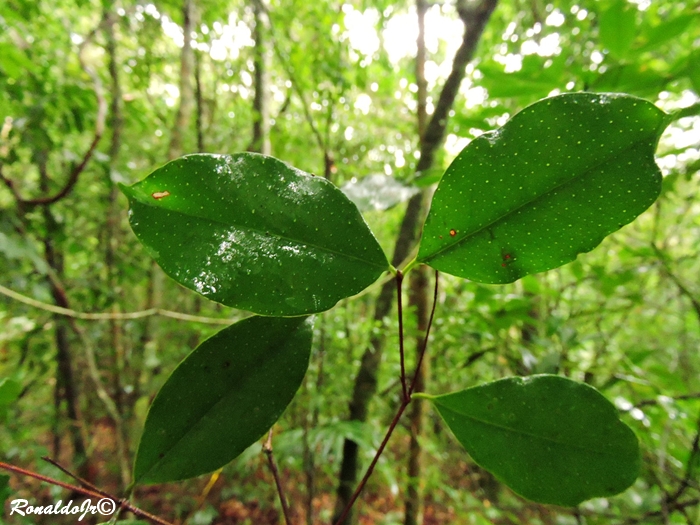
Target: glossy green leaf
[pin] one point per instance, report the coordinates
(249, 231)
(223, 397)
(551, 183)
(550, 439)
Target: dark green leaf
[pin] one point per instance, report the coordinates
(223, 397)
(552, 183)
(252, 232)
(618, 27)
(550, 439)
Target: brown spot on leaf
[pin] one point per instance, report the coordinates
(453, 233)
(160, 194)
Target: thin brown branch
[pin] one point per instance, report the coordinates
(684, 397)
(80, 480)
(370, 469)
(119, 503)
(267, 449)
(427, 335)
(406, 400)
(99, 130)
(402, 356)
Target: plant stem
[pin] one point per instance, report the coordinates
(83, 482)
(120, 503)
(267, 448)
(402, 356)
(425, 341)
(406, 400)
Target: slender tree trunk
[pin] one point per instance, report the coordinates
(113, 231)
(474, 19)
(199, 99)
(261, 117)
(66, 385)
(184, 110)
(418, 299)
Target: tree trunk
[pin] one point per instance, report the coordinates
(418, 299)
(366, 380)
(261, 112)
(66, 388)
(184, 110)
(119, 368)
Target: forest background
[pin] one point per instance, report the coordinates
(93, 94)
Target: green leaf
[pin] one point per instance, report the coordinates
(223, 397)
(644, 78)
(252, 232)
(665, 31)
(618, 27)
(550, 439)
(533, 80)
(10, 391)
(558, 178)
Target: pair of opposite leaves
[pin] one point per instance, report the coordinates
(252, 232)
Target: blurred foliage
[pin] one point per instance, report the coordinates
(624, 318)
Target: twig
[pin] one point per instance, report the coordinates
(425, 341)
(120, 503)
(80, 480)
(267, 449)
(110, 316)
(370, 469)
(684, 397)
(99, 130)
(402, 357)
(394, 422)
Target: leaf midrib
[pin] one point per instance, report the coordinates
(190, 428)
(264, 232)
(529, 434)
(472, 234)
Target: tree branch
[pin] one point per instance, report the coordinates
(120, 503)
(99, 130)
(110, 316)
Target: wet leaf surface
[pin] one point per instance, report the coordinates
(553, 182)
(249, 231)
(550, 439)
(223, 397)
